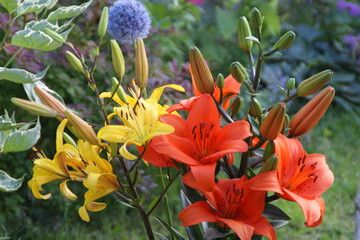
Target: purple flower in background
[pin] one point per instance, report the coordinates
(197, 2)
(352, 8)
(128, 20)
(354, 45)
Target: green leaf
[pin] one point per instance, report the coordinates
(39, 40)
(10, 5)
(269, 10)
(274, 212)
(172, 231)
(225, 22)
(29, 6)
(17, 75)
(21, 139)
(255, 126)
(152, 204)
(41, 25)
(68, 12)
(9, 184)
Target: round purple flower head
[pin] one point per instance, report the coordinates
(128, 20)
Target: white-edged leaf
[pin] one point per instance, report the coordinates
(29, 6)
(9, 184)
(21, 139)
(41, 25)
(68, 12)
(10, 5)
(39, 40)
(18, 75)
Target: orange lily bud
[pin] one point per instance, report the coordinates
(314, 83)
(201, 72)
(34, 107)
(82, 127)
(285, 41)
(244, 31)
(311, 113)
(255, 107)
(50, 101)
(141, 64)
(270, 164)
(273, 122)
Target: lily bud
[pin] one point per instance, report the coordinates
(103, 23)
(34, 107)
(269, 150)
(244, 31)
(119, 91)
(50, 101)
(74, 61)
(256, 20)
(200, 71)
(54, 35)
(310, 114)
(238, 72)
(273, 122)
(290, 84)
(82, 127)
(314, 83)
(117, 59)
(285, 41)
(69, 139)
(141, 64)
(220, 80)
(255, 107)
(236, 105)
(270, 164)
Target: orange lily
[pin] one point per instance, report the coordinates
(235, 204)
(303, 178)
(199, 141)
(231, 88)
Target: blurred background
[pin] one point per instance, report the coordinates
(328, 37)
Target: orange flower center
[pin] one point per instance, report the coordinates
(230, 205)
(202, 136)
(302, 173)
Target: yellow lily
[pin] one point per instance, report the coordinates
(140, 118)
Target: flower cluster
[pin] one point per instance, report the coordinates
(352, 8)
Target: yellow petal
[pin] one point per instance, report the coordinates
(95, 206)
(66, 191)
(125, 153)
(156, 94)
(36, 188)
(117, 134)
(59, 136)
(159, 129)
(84, 214)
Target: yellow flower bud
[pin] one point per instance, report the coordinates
(238, 72)
(74, 61)
(314, 83)
(311, 113)
(270, 164)
(273, 122)
(255, 108)
(285, 41)
(141, 64)
(244, 31)
(200, 71)
(117, 59)
(256, 20)
(103, 22)
(82, 127)
(34, 107)
(119, 91)
(54, 35)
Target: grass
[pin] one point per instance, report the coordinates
(337, 136)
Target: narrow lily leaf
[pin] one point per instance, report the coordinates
(173, 232)
(20, 75)
(161, 237)
(10, 5)
(39, 40)
(68, 12)
(152, 204)
(277, 224)
(254, 125)
(274, 212)
(9, 184)
(21, 139)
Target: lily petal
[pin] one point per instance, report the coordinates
(197, 213)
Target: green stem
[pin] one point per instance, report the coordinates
(222, 111)
(244, 159)
(146, 221)
(13, 57)
(251, 63)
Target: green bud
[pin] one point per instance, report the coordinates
(238, 72)
(290, 84)
(236, 105)
(314, 83)
(103, 23)
(74, 61)
(286, 122)
(269, 150)
(54, 35)
(255, 107)
(69, 139)
(119, 91)
(244, 31)
(270, 164)
(285, 41)
(220, 80)
(141, 64)
(256, 20)
(117, 59)
(34, 107)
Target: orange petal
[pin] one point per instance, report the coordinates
(264, 228)
(204, 176)
(266, 182)
(242, 230)
(197, 213)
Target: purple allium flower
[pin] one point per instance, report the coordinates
(352, 8)
(128, 20)
(197, 2)
(354, 45)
